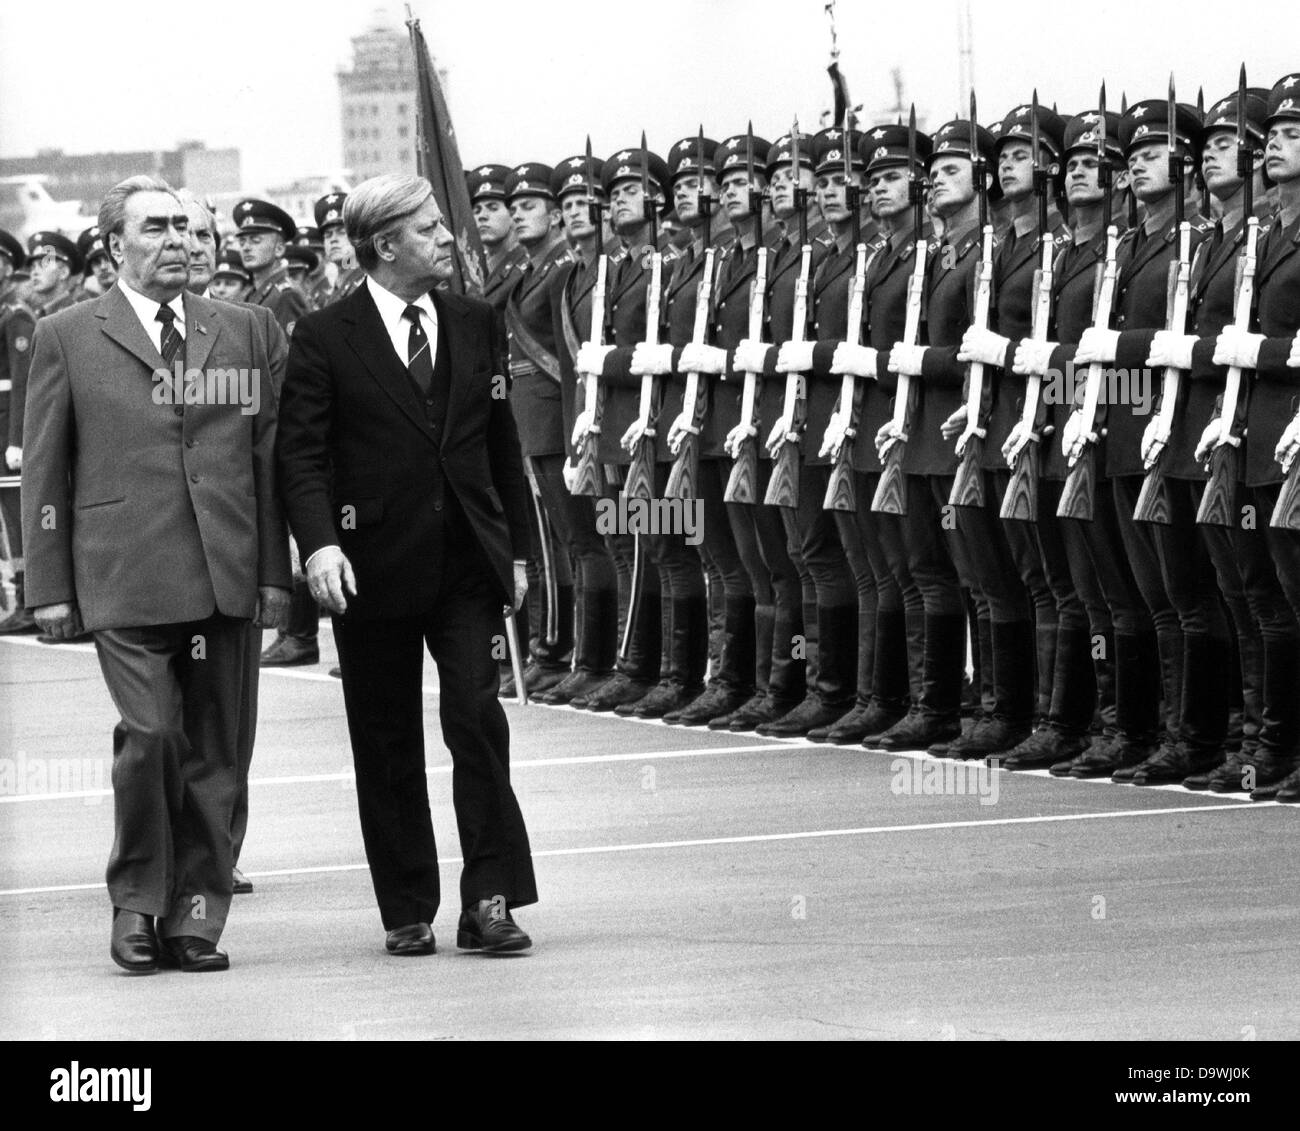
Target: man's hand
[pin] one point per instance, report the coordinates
(636, 431)
(648, 360)
(955, 425)
(1016, 439)
(737, 436)
(979, 344)
(591, 358)
(1171, 350)
(1032, 358)
(837, 429)
(1154, 438)
(698, 358)
(678, 432)
(1209, 441)
(794, 357)
(887, 437)
(570, 472)
(776, 438)
(272, 608)
(906, 360)
(1293, 360)
(1097, 345)
(1237, 347)
(860, 361)
(521, 585)
(14, 458)
(581, 426)
(1075, 437)
(1287, 445)
(330, 578)
(751, 356)
(61, 621)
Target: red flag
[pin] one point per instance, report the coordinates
(438, 159)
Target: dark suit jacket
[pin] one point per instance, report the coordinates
(143, 512)
(359, 462)
(1275, 397)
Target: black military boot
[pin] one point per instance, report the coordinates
(733, 683)
(764, 625)
(831, 696)
(937, 717)
(1013, 694)
(1065, 734)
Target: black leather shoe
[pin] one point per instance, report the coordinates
(289, 651)
(20, 620)
(1287, 790)
(712, 703)
(918, 732)
(489, 927)
(134, 945)
(616, 691)
(995, 738)
(545, 679)
(1109, 757)
(1175, 761)
(659, 701)
(1045, 748)
(240, 883)
(811, 713)
(575, 684)
(1269, 773)
(80, 638)
(860, 722)
(192, 955)
(413, 939)
(759, 710)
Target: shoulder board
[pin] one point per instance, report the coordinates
(1201, 224)
(824, 240)
(1060, 239)
(1128, 236)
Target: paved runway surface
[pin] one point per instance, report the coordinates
(692, 885)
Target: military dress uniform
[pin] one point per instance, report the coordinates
(16, 326)
(328, 213)
(488, 182)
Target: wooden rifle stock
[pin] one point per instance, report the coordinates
(1020, 501)
(1286, 512)
(783, 487)
(684, 475)
(640, 482)
(968, 483)
(840, 492)
(590, 480)
(742, 483)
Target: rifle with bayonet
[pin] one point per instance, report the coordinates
(639, 439)
(590, 479)
(840, 492)
(1218, 503)
(968, 483)
(1078, 495)
(683, 476)
(891, 491)
(1153, 503)
(1021, 498)
(783, 487)
(742, 483)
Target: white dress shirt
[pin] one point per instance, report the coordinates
(391, 309)
(146, 309)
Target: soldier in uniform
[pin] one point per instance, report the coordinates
(328, 212)
(595, 575)
(487, 196)
(1273, 355)
(54, 263)
(638, 668)
(231, 280)
(16, 326)
(1171, 563)
(264, 231)
(536, 401)
(90, 244)
(312, 279)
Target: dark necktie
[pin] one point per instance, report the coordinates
(172, 344)
(419, 358)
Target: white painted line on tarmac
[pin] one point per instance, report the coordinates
(760, 838)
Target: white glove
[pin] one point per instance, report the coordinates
(1237, 347)
(1016, 439)
(1155, 436)
(860, 361)
(1171, 350)
(1288, 445)
(776, 438)
(14, 458)
(955, 425)
(591, 357)
(906, 360)
(750, 356)
(836, 429)
(1097, 345)
(979, 344)
(887, 437)
(1294, 359)
(1075, 437)
(581, 426)
(1209, 440)
(678, 431)
(651, 360)
(702, 359)
(570, 471)
(795, 357)
(737, 436)
(1033, 358)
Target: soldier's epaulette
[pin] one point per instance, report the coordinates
(1061, 239)
(824, 239)
(1128, 236)
(1201, 224)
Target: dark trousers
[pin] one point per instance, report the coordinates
(382, 664)
(178, 689)
(247, 736)
(550, 587)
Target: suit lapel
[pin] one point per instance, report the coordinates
(123, 326)
(202, 327)
(1282, 246)
(369, 340)
(1151, 247)
(454, 335)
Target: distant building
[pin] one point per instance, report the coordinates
(377, 99)
(87, 176)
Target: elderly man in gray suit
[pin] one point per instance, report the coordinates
(151, 511)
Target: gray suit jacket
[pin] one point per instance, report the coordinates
(142, 508)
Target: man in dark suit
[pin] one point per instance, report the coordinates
(404, 487)
(151, 518)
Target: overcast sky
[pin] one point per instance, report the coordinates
(527, 80)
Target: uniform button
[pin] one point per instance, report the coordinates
(437, 506)
(189, 443)
(179, 411)
(429, 401)
(194, 478)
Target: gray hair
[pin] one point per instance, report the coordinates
(374, 205)
(112, 209)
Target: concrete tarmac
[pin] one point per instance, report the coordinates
(693, 885)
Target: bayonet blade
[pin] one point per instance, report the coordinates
(1033, 131)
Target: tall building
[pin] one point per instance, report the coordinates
(378, 101)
